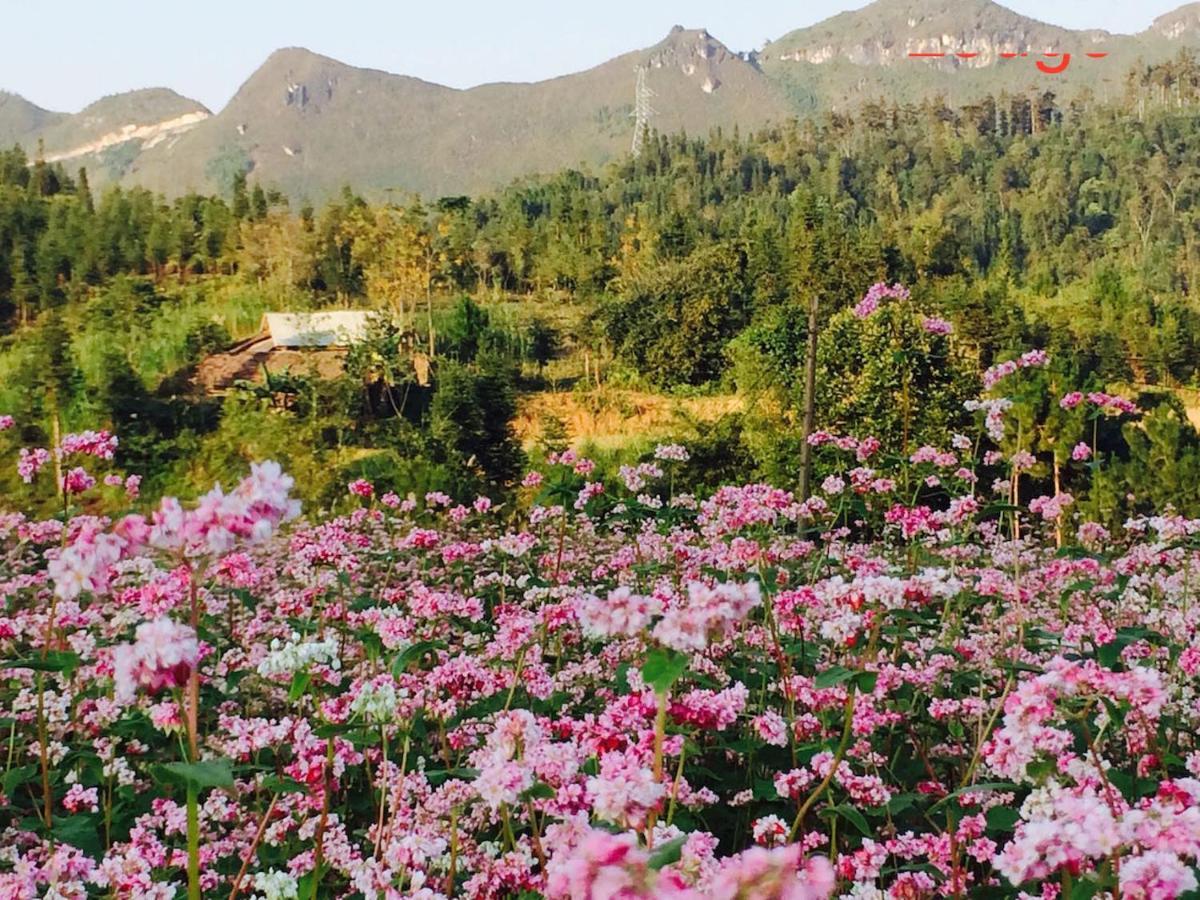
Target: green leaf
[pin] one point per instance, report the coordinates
(14, 778)
(539, 790)
(414, 653)
(623, 678)
(972, 788)
(668, 853)
(277, 784)
(663, 668)
(208, 773)
(79, 831)
(901, 802)
(866, 681)
(1040, 768)
(854, 817)
(437, 776)
(57, 661)
(1003, 818)
(300, 683)
(832, 677)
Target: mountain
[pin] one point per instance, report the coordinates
(105, 136)
(864, 54)
(308, 124)
(21, 121)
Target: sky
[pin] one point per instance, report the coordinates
(80, 50)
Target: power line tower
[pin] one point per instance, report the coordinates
(642, 111)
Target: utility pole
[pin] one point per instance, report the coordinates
(810, 400)
(642, 111)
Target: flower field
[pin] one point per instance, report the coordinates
(908, 685)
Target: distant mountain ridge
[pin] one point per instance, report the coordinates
(308, 124)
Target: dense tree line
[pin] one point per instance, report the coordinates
(1022, 221)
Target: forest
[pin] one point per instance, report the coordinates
(688, 271)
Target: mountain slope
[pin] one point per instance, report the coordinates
(21, 120)
(107, 135)
(307, 123)
(865, 53)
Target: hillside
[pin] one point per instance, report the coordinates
(307, 124)
(865, 54)
(20, 120)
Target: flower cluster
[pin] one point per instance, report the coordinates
(887, 689)
(876, 294)
(162, 656)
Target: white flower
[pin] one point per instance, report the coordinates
(276, 885)
(376, 701)
(295, 656)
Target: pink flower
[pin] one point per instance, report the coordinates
(81, 799)
(603, 865)
(780, 874)
(77, 481)
(877, 293)
(1081, 452)
(1050, 508)
(252, 512)
(1155, 875)
(624, 791)
(1071, 400)
(1023, 460)
(935, 325)
(622, 613)
(99, 444)
(30, 462)
(360, 487)
(1113, 404)
(710, 612)
(162, 655)
(771, 727)
(1002, 370)
(671, 453)
(6, 422)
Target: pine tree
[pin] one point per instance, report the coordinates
(24, 291)
(258, 204)
(241, 201)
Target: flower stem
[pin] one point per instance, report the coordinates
(193, 841)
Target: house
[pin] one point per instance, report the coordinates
(302, 343)
(329, 329)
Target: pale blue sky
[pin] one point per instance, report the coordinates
(63, 56)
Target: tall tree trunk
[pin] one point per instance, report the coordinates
(810, 401)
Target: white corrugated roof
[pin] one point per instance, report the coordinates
(334, 328)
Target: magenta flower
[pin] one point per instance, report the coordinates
(362, 488)
(77, 481)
